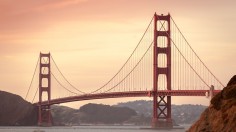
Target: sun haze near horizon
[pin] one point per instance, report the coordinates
(90, 40)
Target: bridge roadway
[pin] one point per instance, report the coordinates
(127, 94)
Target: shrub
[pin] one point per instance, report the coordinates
(216, 101)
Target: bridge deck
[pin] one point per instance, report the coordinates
(128, 94)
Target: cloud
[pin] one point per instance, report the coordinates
(58, 4)
(28, 15)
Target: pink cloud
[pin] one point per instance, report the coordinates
(58, 4)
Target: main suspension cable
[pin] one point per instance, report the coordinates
(185, 58)
(127, 59)
(32, 79)
(65, 78)
(132, 69)
(196, 53)
(61, 84)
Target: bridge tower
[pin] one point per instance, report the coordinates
(44, 112)
(161, 104)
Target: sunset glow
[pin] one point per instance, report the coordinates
(91, 39)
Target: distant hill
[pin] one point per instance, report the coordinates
(15, 111)
(63, 115)
(99, 113)
(182, 114)
(135, 112)
(91, 114)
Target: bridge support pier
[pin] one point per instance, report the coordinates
(44, 111)
(44, 117)
(161, 104)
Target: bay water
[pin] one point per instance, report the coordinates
(88, 129)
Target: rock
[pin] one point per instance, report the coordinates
(232, 81)
(15, 111)
(220, 116)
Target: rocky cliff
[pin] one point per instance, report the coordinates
(16, 111)
(220, 116)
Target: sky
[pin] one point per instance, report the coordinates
(86, 36)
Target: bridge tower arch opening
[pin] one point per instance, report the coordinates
(161, 104)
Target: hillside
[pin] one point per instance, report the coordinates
(91, 114)
(99, 113)
(181, 114)
(220, 116)
(63, 115)
(14, 110)
(139, 113)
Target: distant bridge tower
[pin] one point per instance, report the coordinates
(44, 112)
(161, 104)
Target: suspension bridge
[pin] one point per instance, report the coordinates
(162, 65)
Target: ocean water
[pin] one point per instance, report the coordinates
(87, 129)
